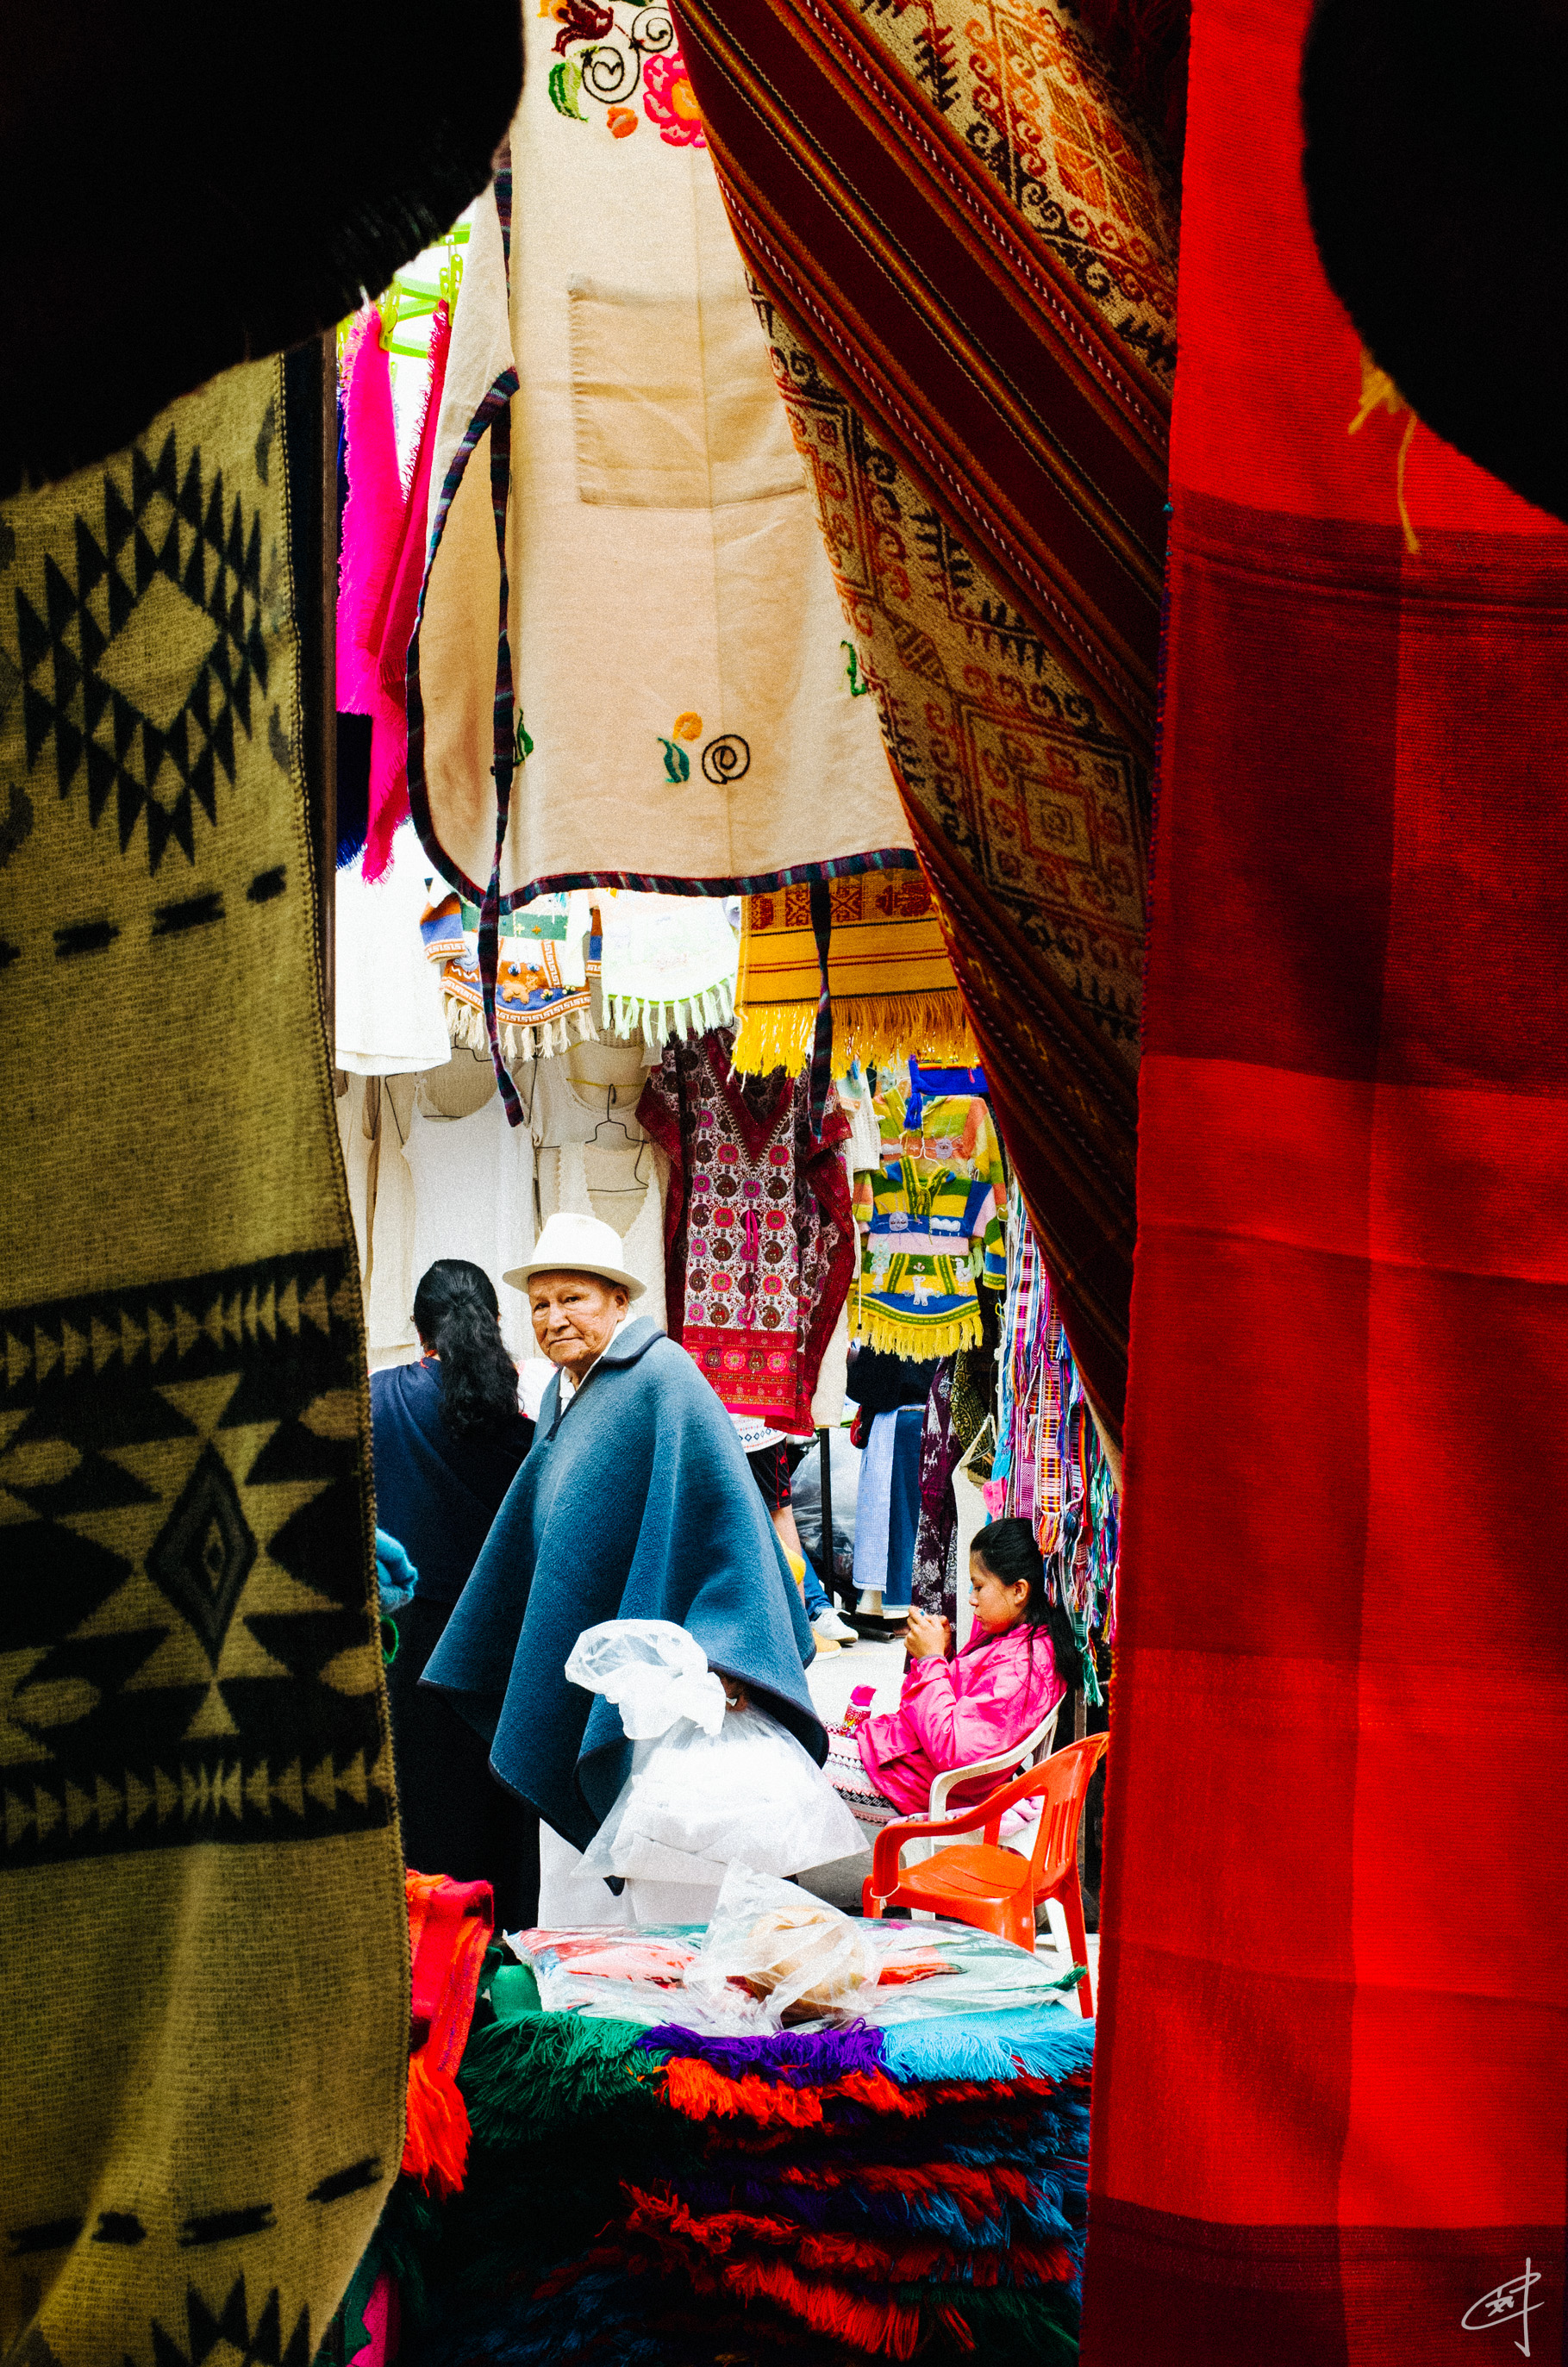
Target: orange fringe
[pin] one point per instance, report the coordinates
(693, 2087)
(897, 2260)
(866, 2324)
(435, 2146)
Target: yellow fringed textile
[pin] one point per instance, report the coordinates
(893, 984)
(870, 1028)
(873, 1328)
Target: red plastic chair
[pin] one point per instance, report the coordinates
(995, 1888)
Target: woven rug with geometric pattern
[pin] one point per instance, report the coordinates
(203, 1943)
(964, 252)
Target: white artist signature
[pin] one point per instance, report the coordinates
(1504, 2305)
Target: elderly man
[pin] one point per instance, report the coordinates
(635, 1502)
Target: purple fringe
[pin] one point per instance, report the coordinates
(800, 2058)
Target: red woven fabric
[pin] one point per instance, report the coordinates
(396, 614)
(1333, 2052)
(448, 1930)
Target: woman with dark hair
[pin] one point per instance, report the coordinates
(1018, 1662)
(448, 1441)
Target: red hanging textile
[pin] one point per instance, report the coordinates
(1327, 2108)
(449, 1930)
(394, 627)
(760, 1244)
(381, 566)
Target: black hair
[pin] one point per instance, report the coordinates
(1009, 1552)
(457, 1313)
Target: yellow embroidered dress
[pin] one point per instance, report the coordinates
(936, 1228)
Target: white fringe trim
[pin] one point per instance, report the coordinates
(689, 1015)
(537, 1039)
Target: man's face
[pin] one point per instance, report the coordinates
(574, 1316)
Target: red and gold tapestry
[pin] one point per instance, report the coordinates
(1328, 2121)
(984, 431)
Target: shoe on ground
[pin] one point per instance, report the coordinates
(870, 1603)
(829, 1628)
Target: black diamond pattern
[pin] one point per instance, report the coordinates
(203, 1555)
(182, 530)
(96, 1375)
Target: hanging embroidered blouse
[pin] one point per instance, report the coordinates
(917, 1290)
(760, 1243)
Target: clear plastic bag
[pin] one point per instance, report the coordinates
(802, 1958)
(709, 1784)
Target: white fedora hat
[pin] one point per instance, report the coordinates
(571, 1244)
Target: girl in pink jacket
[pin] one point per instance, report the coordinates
(1017, 1665)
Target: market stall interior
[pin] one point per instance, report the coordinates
(588, 1043)
(605, 966)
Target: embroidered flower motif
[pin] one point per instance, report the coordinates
(621, 121)
(670, 103)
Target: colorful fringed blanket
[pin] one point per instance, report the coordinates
(935, 1227)
(963, 251)
(536, 1011)
(1348, 1516)
(917, 1292)
(828, 2194)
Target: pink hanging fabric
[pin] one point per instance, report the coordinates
(400, 601)
(372, 516)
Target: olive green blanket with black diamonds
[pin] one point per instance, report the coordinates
(203, 1943)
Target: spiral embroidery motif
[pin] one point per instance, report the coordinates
(725, 759)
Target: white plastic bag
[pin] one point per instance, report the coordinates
(653, 1670)
(709, 1784)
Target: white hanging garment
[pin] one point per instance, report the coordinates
(833, 1375)
(385, 1244)
(567, 1109)
(594, 1180)
(863, 1150)
(389, 1019)
(473, 1197)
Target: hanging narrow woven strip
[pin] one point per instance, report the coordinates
(985, 435)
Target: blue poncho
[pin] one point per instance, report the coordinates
(636, 1502)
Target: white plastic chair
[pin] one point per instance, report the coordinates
(1013, 1760)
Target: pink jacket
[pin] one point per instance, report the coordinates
(954, 1712)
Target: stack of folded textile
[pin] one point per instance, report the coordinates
(641, 2191)
(448, 1928)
